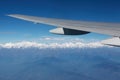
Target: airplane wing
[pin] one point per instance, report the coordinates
(70, 27)
(112, 42)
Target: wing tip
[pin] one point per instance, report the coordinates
(11, 15)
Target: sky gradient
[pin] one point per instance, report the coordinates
(14, 30)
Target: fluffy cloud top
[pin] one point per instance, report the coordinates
(27, 44)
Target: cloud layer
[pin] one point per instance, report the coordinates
(27, 44)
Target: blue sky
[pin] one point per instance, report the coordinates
(12, 30)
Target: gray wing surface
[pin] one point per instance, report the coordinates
(112, 29)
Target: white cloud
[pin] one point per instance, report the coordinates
(52, 38)
(27, 44)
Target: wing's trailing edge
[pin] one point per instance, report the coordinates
(77, 27)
